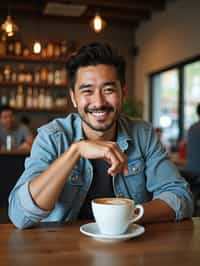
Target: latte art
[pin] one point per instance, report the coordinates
(113, 201)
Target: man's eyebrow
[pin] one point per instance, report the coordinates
(110, 83)
(84, 86)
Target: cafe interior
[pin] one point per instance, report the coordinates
(159, 40)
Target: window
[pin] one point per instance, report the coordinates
(175, 93)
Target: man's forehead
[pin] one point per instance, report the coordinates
(96, 70)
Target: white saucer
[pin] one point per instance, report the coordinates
(92, 230)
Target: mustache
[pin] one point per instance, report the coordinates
(99, 109)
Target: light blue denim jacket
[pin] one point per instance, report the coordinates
(151, 174)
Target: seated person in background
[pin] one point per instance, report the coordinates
(97, 152)
(193, 147)
(21, 136)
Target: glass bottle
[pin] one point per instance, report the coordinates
(18, 48)
(64, 48)
(29, 98)
(20, 97)
(7, 73)
(50, 49)
(3, 45)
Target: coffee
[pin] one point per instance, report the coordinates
(113, 201)
(114, 215)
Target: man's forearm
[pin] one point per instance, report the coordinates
(156, 211)
(46, 187)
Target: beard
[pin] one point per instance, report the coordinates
(104, 127)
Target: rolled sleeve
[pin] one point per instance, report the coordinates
(27, 203)
(179, 206)
(23, 212)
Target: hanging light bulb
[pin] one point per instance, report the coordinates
(97, 23)
(37, 47)
(9, 27)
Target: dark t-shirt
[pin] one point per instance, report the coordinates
(101, 187)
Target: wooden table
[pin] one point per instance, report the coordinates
(57, 244)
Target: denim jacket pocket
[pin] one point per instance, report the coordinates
(135, 180)
(72, 187)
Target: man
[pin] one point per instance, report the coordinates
(20, 137)
(193, 147)
(97, 153)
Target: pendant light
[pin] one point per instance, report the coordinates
(9, 27)
(37, 47)
(97, 23)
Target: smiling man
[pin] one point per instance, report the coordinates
(98, 152)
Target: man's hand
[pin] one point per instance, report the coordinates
(106, 150)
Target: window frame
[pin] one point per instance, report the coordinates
(180, 68)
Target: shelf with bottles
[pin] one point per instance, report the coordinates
(33, 58)
(34, 98)
(39, 75)
(31, 84)
(52, 110)
(51, 50)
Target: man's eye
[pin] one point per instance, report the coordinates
(109, 90)
(87, 91)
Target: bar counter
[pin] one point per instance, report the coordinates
(11, 167)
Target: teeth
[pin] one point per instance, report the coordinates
(98, 113)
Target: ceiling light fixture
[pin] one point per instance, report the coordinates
(9, 27)
(97, 23)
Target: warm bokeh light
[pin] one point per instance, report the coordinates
(98, 23)
(37, 47)
(9, 27)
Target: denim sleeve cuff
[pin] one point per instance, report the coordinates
(174, 202)
(27, 203)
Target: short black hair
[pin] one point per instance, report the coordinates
(198, 109)
(5, 107)
(94, 54)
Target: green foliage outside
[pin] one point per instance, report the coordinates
(133, 108)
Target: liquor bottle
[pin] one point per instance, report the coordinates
(4, 97)
(64, 48)
(50, 77)
(41, 99)
(43, 74)
(50, 49)
(12, 100)
(35, 98)
(48, 100)
(3, 45)
(7, 73)
(57, 49)
(20, 97)
(21, 74)
(10, 47)
(18, 48)
(37, 76)
(29, 98)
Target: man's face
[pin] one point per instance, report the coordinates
(98, 97)
(7, 119)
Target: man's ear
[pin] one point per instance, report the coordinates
(71, 92)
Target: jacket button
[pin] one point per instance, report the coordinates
(74, 178)
(135, 169)
(121, 195)
(88, 170)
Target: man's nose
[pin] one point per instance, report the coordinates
(99, 99)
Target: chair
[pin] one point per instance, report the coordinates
(194, 180)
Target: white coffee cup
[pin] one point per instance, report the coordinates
(114, 215)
